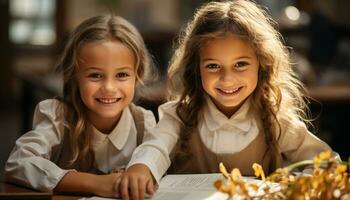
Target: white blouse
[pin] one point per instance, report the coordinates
(216, 129)
(221, 135)
(32, 161)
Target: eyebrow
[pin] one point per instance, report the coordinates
(117, 68)
(91, 68)
(241, 57)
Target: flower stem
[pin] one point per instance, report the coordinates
(307, 162)
(299, 164)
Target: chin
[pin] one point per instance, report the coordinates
(230, 103)
(110, 113)
(231, 106)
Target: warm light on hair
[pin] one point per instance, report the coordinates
(278, 95)
(95, 29)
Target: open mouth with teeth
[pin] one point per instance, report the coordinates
(108, 100)
(229, 91)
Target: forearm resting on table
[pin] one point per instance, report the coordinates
(87, 183)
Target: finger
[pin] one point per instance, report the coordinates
(134, 188)
(119, 174)
(124, 188)
(142, 186)
(150, 187)
(116, 187)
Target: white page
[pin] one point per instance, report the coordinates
(201, 186)
(196, 187)
(190, 181)
(189, 187)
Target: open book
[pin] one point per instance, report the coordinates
(189, 187)
(195, 187)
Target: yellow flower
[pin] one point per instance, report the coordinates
(329, 180)
(258, 171)
(325, 155)
(224, 188)
(340, 169)
(253, 186)
(223, 170)
(235, 174)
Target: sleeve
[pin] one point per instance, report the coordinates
(29, 162)
(158, 142)
(297, 143)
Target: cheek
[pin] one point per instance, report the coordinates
(204, 81)
(128, 86)
(208, 84)
(208, 79)
(253, 79)
(86, 89)
(204, 77)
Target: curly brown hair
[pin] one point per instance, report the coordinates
(278, 93)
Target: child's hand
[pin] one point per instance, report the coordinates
(135, 182)
(106, 185)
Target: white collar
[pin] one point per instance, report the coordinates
(215, 119)
(228, 135)
(119, 134)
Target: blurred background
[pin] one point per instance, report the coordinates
(33, 33)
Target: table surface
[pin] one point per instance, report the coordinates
(12, 191)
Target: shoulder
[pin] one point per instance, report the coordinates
(168, 108)
(49, 107)
(48, 122)
(49, 102)
(292, 128)
(291, 122)
(48, 110)
(140, 112)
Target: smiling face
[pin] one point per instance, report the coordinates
(106, 80)
(229, 72)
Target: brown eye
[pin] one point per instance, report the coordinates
(241, 64)
(95, 76)
(122, 75)
(212, 66)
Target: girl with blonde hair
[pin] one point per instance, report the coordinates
(80, 142)
(234, 99)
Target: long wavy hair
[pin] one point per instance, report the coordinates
(92, 30)
(278, 95)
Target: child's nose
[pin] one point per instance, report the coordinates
(109, 86)
(228, 75)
